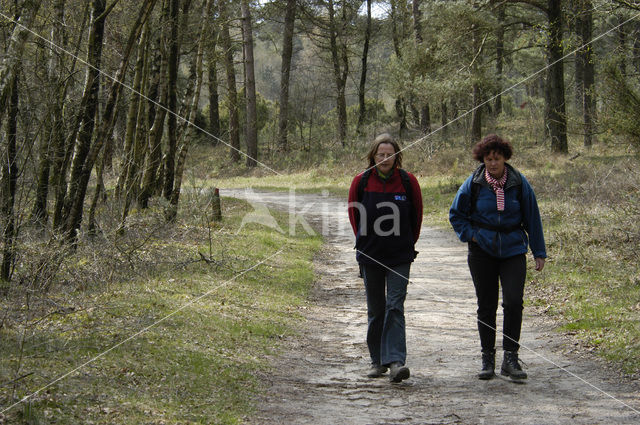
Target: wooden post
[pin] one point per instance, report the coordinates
(215, 205)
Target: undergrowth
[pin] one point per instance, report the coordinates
(171, 322)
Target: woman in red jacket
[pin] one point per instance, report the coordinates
(385, 210)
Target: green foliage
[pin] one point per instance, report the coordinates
(446, 64)
(622, 100)
(266, 111)
(375, 112)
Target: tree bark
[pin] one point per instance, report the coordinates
(88, 112)
(157, 116)
(340, 72)
(232, 93)
(65, 143)
(362, 111)
(425, 112)
(13, 54)
(585, 58)
(130, 166)
(476, 115)
(250, 86)
(397, 35)
(193, 109)
(499, 58)
(53, 135)
(444, 118)
(105, 130)
(285, 71)
(10, 180)
(621, 36)
(556, 119)
(172, 98)
(214, 98)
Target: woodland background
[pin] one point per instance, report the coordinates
(117, 117)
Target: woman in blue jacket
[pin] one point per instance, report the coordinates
(496, 212)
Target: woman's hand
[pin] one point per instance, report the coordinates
(539, 264)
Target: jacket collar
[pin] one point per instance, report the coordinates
(513, 176)
(385, 177)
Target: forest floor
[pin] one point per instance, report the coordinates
(319, 376)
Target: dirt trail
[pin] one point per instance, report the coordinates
(320, 376)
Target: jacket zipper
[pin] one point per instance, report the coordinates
(499, 236)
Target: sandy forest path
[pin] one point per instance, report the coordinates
(319, 378)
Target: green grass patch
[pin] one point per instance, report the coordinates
(199, 365)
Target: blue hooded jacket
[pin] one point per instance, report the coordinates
(520, 221)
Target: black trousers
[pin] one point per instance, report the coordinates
(488, 273)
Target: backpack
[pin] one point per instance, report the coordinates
(406, 183)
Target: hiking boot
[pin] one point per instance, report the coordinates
(488, 365)
(398, 372)
(376, 370)
(511, 366)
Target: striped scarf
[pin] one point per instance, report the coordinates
(498, 187)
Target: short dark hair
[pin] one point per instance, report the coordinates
(381, 139)
(492, 143)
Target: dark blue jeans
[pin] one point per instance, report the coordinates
(386, 291)
(488, 273)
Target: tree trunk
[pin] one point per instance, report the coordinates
(150, 182)
(193, 109)
(107, 122)
(285, 71)
(556, 119)
(88, 111)
(417, 20)
(172, 98)
(425, 112)
(13, 53)
(621, 35)
(585, 57)
(401, 112)
(340, 71)
(250, 86)
(214, 99)
(425, 119)
(130, 166)
(397, 35)
(232, 94)
(65, 144)
(476, 115)
(10, 180)
(363, 74)
(53, 135)
(444, 117)
(636, 47)
(92, 227)
(499, 58)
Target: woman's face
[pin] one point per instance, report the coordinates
(385, 157)
(494, 161)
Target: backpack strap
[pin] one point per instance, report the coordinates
(363, 183)
(406, 182)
